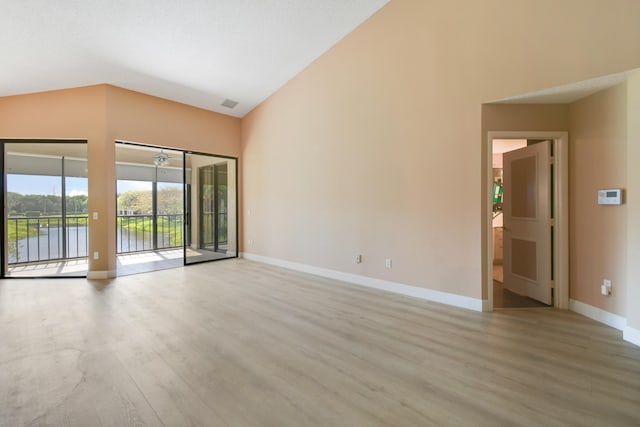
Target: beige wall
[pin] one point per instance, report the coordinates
(597, 160)
(376, 147)
(102, 114)
(134, 116)
(633, 201)
(524, 117)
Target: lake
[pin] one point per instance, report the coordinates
(48, 246)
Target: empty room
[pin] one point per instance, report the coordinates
(320, 213)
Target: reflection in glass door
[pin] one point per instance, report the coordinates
(212, 189)
(213, 208)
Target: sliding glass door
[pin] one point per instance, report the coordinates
(174, 208)
(45, 191)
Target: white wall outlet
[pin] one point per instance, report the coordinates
(358, 259)
(250, 242)
(96, 255)
(387, 263)
(95, 216)
(605, 289)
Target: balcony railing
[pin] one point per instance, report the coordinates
(46, 238)
(137, 233)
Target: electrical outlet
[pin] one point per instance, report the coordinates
(96, 255)
(358, 259)
(250, 242)
(387, 263)
(605, 289)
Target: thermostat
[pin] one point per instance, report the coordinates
(610, 197)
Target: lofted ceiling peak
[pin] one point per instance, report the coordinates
(198, 52)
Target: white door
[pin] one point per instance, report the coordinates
(527, 222)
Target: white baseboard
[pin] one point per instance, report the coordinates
(632, 335)
(385, 285)
(598, 314)
(101, 275)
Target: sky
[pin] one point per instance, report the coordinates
(50, 185)
(46, 185)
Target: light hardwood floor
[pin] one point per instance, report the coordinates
(235, 343)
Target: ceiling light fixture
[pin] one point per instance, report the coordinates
(161, 159)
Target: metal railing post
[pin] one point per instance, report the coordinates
(63, 196)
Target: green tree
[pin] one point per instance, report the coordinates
(170, 201)
(21, 204)
(138, 201)
(77, 204)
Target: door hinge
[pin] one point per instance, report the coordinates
(552, 160)
(552, 222)
(552, 284)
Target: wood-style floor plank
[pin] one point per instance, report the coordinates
(237, 343)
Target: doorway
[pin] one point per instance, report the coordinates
(45, 198)
(170, 211)
(516, 280)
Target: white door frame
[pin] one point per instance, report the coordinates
(561, 213)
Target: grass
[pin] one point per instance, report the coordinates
(143, 226)
(20, 228)
(24, 227)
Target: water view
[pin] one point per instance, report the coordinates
(46, 243)
(41, 238)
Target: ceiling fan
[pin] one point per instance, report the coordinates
(161, 159)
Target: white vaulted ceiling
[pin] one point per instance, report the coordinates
(199, 52)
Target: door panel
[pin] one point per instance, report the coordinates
(213, 208)
(207, 208)
(527, 215)
(212, 188)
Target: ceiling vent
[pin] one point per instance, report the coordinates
(229, 103)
